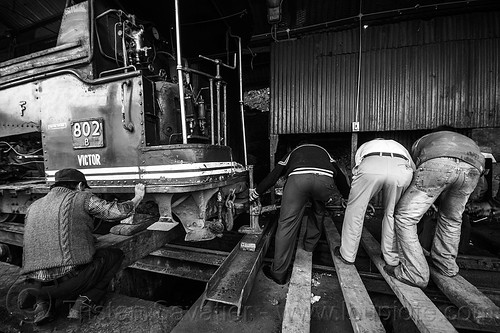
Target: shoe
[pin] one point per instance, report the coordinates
(336, 252)
(267, 272)
(42, 313)
(83, 305)
(390, 270)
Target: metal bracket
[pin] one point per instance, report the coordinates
(254, 227)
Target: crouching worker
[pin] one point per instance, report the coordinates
(59, 253)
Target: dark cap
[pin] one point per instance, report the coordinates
(71, 175)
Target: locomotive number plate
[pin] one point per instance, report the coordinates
(88, 133)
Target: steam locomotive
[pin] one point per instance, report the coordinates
(110, 100)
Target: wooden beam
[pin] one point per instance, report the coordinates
(139, 245)
(467, 297)
(423, 312)
(134, 247)
(362, 312)
(297, 315)
(11, 233)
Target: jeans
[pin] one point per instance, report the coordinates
(453, 181)
(391, 175)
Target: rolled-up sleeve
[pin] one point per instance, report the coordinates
(109, 210)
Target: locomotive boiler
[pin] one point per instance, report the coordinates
(110, 100)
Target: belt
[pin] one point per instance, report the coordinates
(386, 154)
(61, 279)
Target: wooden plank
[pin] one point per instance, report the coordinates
(297, 313)
(11, 233)
(139, 245)
(466, 296)
(139, 223)
(362, 312)
(374, 282)
(423, 312)
(134, 247)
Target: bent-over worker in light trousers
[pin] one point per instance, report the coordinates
(381, 165)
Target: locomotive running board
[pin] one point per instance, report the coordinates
(232, 282)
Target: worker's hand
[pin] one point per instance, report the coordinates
(140, 190)
(253, 195)
(343, 202)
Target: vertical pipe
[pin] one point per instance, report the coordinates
(217, 88)
(179, 72)
(242, 110)
(224, 124)
(124, 46)
(212, 113)
(359, 68)
(354, 135)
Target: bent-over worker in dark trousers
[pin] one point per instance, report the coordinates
(59, 253)
(311, 176)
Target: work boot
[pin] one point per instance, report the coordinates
(336, 252)
(390, 270)
(42, 313)
(266, 269)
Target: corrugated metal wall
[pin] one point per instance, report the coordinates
(414, 75)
